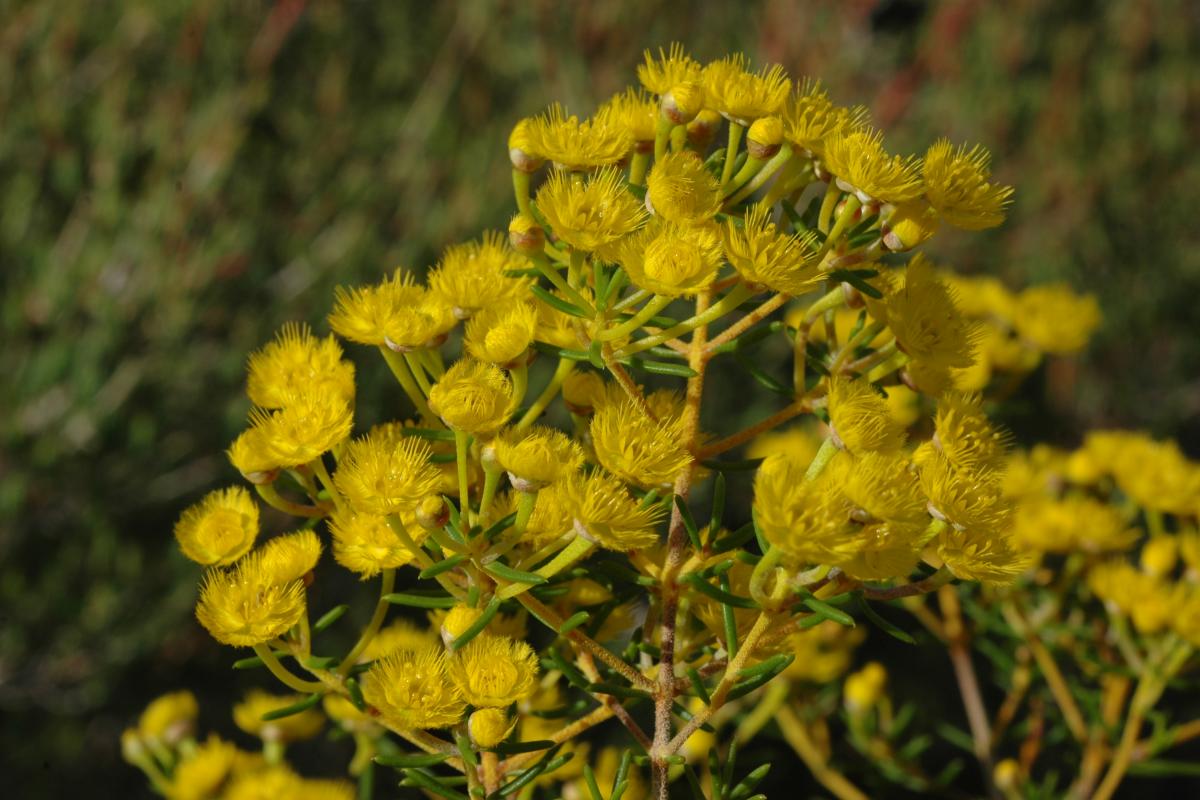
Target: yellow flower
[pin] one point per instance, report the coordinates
(387, 474)
(799, 443)
(472, 396)
(605, 513)
(291, 556)
(883, 485)
(980, 555)
(170, 718)
(219, 529)
(494, 671)
(202, 774)
(636, 448)
(923, 315)
(1159, 555)
(251, 456)
(592, 213)
(309, 425)
(267, 783)
(489, 727)
(412, 690)
(339, 709)
(248, 715)
(765, 255)
(583, 391)
(552, 517)
(473, 276)
(970, 500)
(396, 309)
(578, 145)
(743, 96)
(859, 418)
(1073, 524)
(964, 434)
(365, 543)
(764, 138)
(956, 184)
(1055, 319)
(453, 622)
(908, 225)
(886, 550)
(861, 165)
(398, 635)
(810, 119)
(297, 361)
(673, 260)
(680, 189)
(501, 335)
(637, 113)
(537, 456)
(823, 652)
(865, 688)
(670, 69)
(808, 520)
(244, 606)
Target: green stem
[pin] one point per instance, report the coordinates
(565, 365)
(759, 176)
(271, 497)
(318, 467)
(644, 314)
(461, 441)
(555, 277)
(824, 455)
(573, 552)
(758, 578)
(796, 170)
(520, 382)
(268, 658)
(638, 167)
(418, 371)
(526, 501)
(828, 204)
(491, 482)
(729, 302)
(731, 151)
(575, 268)
(662, 136)
(381, 608)
(520, 182)
(405, 378)
(853, 204)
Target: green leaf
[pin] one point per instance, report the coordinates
(445, 565)
(476, 627)
(745, 465)
(430, 782)
(412, 761)
(429, 433)
(620, 780)
(294, 708)
(321, 662)
(514, 748)
(617, 690)
(420, 600)
(768, 382)
(956, 737)
(355, 694)
(253, 662)
(329, 617)
(698, 685)
(858, 279)
(554, 300)
(504, 523)
(689, 522)
(717, 514)
(1161, 767)
(883, 624)
(501, 570)
(720, 595)
(748, 784)
(574, 621)
(661, 367)
(825, 610)
(773, 665)
(589, 777)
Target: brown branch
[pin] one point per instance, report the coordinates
(746, 434)
(745, 323)
(619, 711)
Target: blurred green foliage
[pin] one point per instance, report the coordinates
(179, 178)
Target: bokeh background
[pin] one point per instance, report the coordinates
(177, 179)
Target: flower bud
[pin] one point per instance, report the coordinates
(457, 620)
(489, 727)
(764, 138)
(1007, 774)
(133, 749)
(864, 688)
(432, 513)
(683, 103)
(1159, 555)
(525, 235)
(703, 129)
(582, 391)
(909, 225)
(520, 148)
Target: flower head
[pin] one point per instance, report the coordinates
(308, 425)
(472, 396)
(808, 520)
(494, 671)
(640, 450)
(765, 255)
(976, 555)
(861, 165)
(605, 512)
(592, 213)
(383, 474)
(169, 718)
(1072, 524)
(810, 119)
(297, 361)
(957, 186)
(248, 715)
(474, 276)
(537, 456)
(970, 500)
(671, 68)
(202, 774)
(860, 418)
(637, 113)
(673, 260)
(398, 635)
(489, 727)
(576, 144)
(365, 543)
(244, 606)
(1055, 319)
(412, 690)
(964, 434)
(219, 529)
(886, 550)
(395, 310)
(251, 456)
(289, 557)
(883, 485)
(680, 189)
(502, 334)
(923, 314)
(742, 96)
(553, 515)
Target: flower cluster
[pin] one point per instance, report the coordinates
(545, 470)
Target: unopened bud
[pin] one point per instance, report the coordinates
(457, 620)
(1159, 555)
(1007, 774)
(133, 749)
(864, 688)
(703, 129)
(582, 391)
(683, 103)
(764, 138)
(489, 727)
(525, 235)
(521, 150)
(432, 513)
(909, 225)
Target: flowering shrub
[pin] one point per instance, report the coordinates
(572, 576)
